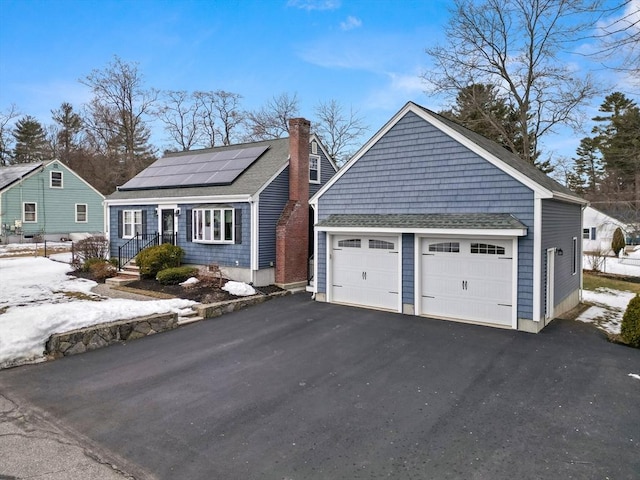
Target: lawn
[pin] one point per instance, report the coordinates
(594, 281)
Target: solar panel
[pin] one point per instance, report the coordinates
(220, 167)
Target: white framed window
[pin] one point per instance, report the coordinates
(350, 243)
(131, 223)
(55, 179)
(574, 256)
(487, 249)
(213, 225)
(29, 212)
(314, 148)
(449, 247)
(314, 169)
(586, 233)
(82, 212)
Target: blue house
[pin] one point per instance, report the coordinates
(241, 207)
(47, 200)
(431, 219)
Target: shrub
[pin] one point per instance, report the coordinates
(617, 243)
(175, 275)
(153, 259)
(102, 269)
(94, 247)
(630, 328)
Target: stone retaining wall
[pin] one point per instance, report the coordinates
(213, 310)
(98, 336)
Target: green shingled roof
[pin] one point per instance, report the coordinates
(248, 183)
(471, 221)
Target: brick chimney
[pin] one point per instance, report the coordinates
(292, 230)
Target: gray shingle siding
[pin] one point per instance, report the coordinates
(321, 273)
(326, 172)
(272, 201)
(408, 266)
(415, 168)
(560, 223)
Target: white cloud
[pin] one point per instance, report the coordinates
(397, 90)
(350, 23)
(314, 4)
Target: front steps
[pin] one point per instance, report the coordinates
(129, 273)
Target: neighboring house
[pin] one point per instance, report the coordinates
(242, 207)
(597, 231)
(429, 218)
(47, 200)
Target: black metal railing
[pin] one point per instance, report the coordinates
(130, 249)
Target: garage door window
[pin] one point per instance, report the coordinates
(381, 245)
(487, 249)
(450, 247)
(351, 243)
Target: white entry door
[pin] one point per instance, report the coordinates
(365, 271)
(467, 279)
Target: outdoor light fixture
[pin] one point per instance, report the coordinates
(559, 252)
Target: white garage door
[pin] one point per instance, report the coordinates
(467, 279)
(364, 271)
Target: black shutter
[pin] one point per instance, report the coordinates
(144, 222)
(238, 226)
(119, 223)
(188, 234)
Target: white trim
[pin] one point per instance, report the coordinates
(568, 198)
(318, 159)
(255, 234)
(512, 232)
(549, 284)
(51, 185)
(537, 259)
(313, 137)
(24, 220)
(181, 200)
(86, 213)
(159, 208)
(316, 234)
(574, 252)
(514, 284)
(133, 223)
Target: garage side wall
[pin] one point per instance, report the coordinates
(561, 222)
(415, 168)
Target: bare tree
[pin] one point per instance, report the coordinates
(220, 116)
(272, 119)
(619, 39)
(339, 130)
(119, 113)
(6, 137)
(514, 45)
(180, 114)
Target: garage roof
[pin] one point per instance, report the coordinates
(462, 221)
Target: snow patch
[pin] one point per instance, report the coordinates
(190, 281)
(239, 289)
(607, 310)
(634, 375)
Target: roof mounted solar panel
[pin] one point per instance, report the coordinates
(220, 167)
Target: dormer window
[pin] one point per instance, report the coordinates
(55, 180)
(314, 169)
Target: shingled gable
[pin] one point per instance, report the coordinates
(543, 185)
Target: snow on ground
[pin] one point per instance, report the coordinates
(607, 310)
(615, 265)
(38, 298)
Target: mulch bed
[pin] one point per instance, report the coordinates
(206, 291)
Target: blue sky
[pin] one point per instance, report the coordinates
(364, 53)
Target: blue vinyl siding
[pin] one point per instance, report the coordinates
(321, 273)
(195, 253)
(326, 172)
(415, 168)
(272, 201)
(560, 223)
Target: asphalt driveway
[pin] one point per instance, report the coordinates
(293, 389)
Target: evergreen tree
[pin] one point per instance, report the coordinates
(30, 141)
(70, 126)
(588, 167)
